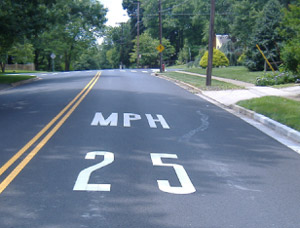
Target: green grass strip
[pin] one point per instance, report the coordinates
(201, 82)
(283, 110)
(239, 73)
(8, 79)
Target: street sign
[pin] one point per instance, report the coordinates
(52, 56)
(160, 48)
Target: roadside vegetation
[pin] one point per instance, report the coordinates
(70, 30)
(12, 76)
(9, 79)
(283, 110)
(239, 73)
(200, 82)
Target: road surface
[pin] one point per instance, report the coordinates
(121, 148)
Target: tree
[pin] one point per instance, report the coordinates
(22, 53)
(149, 54)
(243, 23)
(77, 24)
(290, 29)
(21, 19)
(266, 35)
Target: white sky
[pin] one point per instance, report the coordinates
(115, 13)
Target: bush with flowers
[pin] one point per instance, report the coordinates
(277, 78)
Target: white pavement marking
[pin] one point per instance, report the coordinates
(164, 185)
(44, 74)
(133, 71)
(122, 70)
(112, 120)
(82, 182)
(54, 73)
(159, 119)
(144, 71)
(129, 117)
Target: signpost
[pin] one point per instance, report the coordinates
(160, 48)
(52, 57)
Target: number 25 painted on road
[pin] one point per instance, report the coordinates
(82, 184)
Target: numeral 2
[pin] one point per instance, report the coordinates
(82, 184)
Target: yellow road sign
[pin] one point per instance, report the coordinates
(160, 48)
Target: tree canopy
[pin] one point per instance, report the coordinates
(69, 29)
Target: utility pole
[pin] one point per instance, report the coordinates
(138, 36)
(160, 33)
(210, 43)
(122, 43)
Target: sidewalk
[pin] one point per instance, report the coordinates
(229, 98)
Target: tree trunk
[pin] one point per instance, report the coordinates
(2, 67)
(67, 61)
(36, 59)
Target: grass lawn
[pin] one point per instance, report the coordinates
(20, 71)
(283, 110)
(284, 85)
(8, 79)
(177, 67)
(200, 82)
(9, 76)
(240, 73)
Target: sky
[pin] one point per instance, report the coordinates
(115, 12)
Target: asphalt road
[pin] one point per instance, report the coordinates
(135, 151)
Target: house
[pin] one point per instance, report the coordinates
(221, 40)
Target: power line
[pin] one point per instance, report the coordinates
(170, 8)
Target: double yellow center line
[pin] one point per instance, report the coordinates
(62, 117)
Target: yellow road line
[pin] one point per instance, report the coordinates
(27, 159)
(38, 135)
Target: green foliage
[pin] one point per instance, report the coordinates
(270, 79)
(290, 29)
(242, 25)
(88, 60)
(113, 57)
(22, 53)
(241, 59)
(148, 52)
(233, 51)
(266, 36)
(200, 82)
(239, 73)
(184, 54)
(8, 79)
(219, 59)
(283, 110)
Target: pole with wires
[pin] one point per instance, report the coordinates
(138, 36)
(160, 33)
(210, 43)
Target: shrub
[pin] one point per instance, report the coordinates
(291, 56)
(276, 79)
(219, 59)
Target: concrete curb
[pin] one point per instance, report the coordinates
(24, 82)
(272, 124)
(12, 85)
